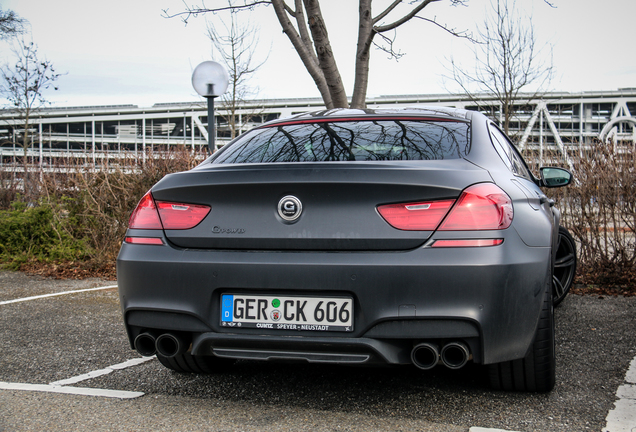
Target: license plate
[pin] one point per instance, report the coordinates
(287, 312)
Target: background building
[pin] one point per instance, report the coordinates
(99, 135)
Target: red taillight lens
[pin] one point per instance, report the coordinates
(483, 206)
(178, 216)
(145, 215)
(467, 243)
(167, 215)
(415, 216)
(144, 240)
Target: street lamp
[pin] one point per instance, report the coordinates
(210, 80)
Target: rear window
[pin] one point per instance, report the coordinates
(364, 140)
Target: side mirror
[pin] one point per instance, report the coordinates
(555, 177)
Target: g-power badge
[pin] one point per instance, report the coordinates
(289, 208)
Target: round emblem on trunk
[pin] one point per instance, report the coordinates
(289, 208)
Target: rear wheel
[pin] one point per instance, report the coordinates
(536, 371)
(564, 266)
(188, 363)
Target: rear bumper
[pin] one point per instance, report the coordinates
(488, 297)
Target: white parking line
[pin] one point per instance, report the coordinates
(623, 417)
(100, 372)
(82, 391)
(55, 294)
(62, 385)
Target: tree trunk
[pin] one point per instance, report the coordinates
(26, 184)
(507, 108)
(363, 55)
(304, 52)
(326, 59)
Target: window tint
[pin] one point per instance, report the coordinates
(508, 153)
(366, 140)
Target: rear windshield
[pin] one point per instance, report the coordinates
(366, 140)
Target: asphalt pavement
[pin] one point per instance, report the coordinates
(46, 340)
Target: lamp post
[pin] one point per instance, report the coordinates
(210, 80)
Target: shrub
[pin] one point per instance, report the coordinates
(101, 201)
(599, 209)
(36, 233)
(82, 214)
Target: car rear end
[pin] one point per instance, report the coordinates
(390, 251)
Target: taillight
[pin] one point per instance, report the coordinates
(179, 216)
(415, 216)
(167, 215)
(144, 240)
(483, 206)
(145, 215)
(466, 243)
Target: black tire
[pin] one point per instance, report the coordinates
(537, 371)
(188, 363)
(564, 266)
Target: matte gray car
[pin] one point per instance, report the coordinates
(414, 236)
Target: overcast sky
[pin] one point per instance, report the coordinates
(126, 52)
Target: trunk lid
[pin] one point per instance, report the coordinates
(338, 201)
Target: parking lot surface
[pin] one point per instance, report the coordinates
(58, 339)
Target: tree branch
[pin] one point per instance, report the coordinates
(389, 50)
(11, 24)
(301, 22)
(507, 61)
(386, 11)
(290, 11)
(193, 11)
(405, 18)
(460, 34)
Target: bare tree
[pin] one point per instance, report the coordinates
(23, 84)
(507, 61)
(236, 42)
(305, 27)
(10, 24)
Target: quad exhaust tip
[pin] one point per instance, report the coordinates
(454, 355)
(167, 344)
